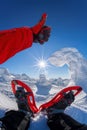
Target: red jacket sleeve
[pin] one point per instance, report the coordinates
(36, 29)
(13, 41)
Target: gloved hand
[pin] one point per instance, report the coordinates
(44, 17)
(36, 29)
(44, 34)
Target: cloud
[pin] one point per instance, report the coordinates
(76, 63)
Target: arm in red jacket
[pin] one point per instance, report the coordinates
(15, 40)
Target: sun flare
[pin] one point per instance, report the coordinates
(42, 64)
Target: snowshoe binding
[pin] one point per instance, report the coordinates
(61, 105)
(21, 98)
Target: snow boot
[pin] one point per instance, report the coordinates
(61, 105)
(15, 120)
(61, 121)
(21, 98)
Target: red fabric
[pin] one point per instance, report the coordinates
(36, 29)
(13, 41)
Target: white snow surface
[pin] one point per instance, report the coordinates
(45, 90)
(76, 63)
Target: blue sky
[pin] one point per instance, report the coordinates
(68, 19)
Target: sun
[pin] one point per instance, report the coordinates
(42, 64)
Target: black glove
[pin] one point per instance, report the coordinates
(43, 35)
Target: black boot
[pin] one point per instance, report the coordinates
(22, 102)
(62, 121)
(15, 120)
(61, 105)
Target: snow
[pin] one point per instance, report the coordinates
(39, 123)
(76, 63)
(6, 102)
(45, 89)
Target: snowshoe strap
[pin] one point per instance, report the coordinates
(24, 123)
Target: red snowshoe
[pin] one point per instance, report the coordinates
(26, 101)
